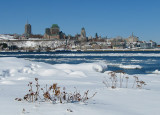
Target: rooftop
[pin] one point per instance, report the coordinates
(55, 26)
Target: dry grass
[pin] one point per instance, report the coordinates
(54, 94)
(116, 79)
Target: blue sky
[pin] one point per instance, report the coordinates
(106, 17)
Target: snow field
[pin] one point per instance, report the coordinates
(16, 73)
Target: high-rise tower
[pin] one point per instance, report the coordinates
(83, 33)
(28, 29)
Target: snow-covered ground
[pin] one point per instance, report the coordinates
(16, 73)
(6, 37)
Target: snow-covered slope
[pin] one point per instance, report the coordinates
(16, 73)
(5, 37)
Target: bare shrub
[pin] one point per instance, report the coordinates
(54, 94)
(117, 77)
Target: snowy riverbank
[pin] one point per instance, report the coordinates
(16, 73)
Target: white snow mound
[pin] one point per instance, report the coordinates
(156, 71)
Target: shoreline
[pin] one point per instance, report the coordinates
(121, 50)
(95, 50)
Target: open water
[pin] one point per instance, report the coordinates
(131, 62)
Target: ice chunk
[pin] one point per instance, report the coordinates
(130, 66)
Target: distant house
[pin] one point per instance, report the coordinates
(118, 43)
(158, 46)
(148, 45)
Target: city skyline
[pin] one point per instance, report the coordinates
(106, 17)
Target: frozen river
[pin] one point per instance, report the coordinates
(131, 62)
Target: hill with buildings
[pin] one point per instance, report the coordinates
(54, 39)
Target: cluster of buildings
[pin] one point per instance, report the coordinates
(54, 39)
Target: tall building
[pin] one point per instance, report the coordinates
(54, 29)
(28, 29)
(83, 35)
(47, 31)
